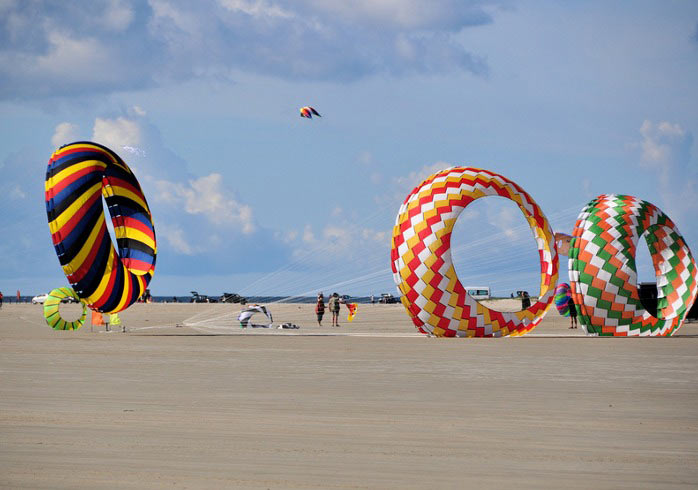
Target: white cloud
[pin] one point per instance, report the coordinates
(16, 192)
(661, 142)
(405, 14)
(64, 133)
(257, 8)
(116, 133)
(503, 218)
(118, 15)
(102, 46)
(413, 179)
(206, 196)
(138, 111)
(308, 235)
(341, 241)
(374, 235)
(666, 150)
(174, 235)
(85, 58)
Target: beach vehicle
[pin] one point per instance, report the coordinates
(478, 292)
(233, 298)
(387, 298)
(201, 298)
(39, 299)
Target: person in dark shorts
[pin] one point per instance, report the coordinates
(573, 314)
(0, 299)
(333, 305)
(525, 300)
(320, 308)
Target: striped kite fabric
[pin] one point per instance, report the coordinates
(603, 274)
(78, 176)
(423, 267)
(53, 316)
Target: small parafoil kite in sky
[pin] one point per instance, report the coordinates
(563, 241)
(308, 112)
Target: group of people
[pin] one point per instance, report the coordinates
(333, 305)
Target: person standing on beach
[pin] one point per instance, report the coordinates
(525, 300)
(0, 299)
(333, 305)
(573, 314)
(320, 308)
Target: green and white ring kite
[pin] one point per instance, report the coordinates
(53, 316)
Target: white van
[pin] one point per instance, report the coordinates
(478, 292)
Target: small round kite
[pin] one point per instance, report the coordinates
(563, 295)
(604, 277)
(308, 112)
(423, 268)
(78, 176)
(53, 316)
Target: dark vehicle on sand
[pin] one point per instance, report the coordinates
(233, 298)
(387, 298)
(201, 298)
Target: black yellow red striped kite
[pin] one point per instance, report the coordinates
(78, 175)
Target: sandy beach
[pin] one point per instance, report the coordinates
(372, 404)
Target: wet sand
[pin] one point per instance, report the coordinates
(371, 404)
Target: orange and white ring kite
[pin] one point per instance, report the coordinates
(423, 268)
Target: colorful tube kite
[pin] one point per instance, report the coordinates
(423, 268)
(53, 316)
(563, 295)
(603, 274)
(78, 175)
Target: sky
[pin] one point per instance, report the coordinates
(568, 99)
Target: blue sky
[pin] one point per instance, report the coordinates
(570, 100)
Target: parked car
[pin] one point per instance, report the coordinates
(201, 298)
(39, 299)
(478, 292)
(387, 298)
(233, 298)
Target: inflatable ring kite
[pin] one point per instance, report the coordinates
(53, 316)
(78, 175)
(563, 294)
(423, 268)
(603, 274)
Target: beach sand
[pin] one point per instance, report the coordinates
(371, 404)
